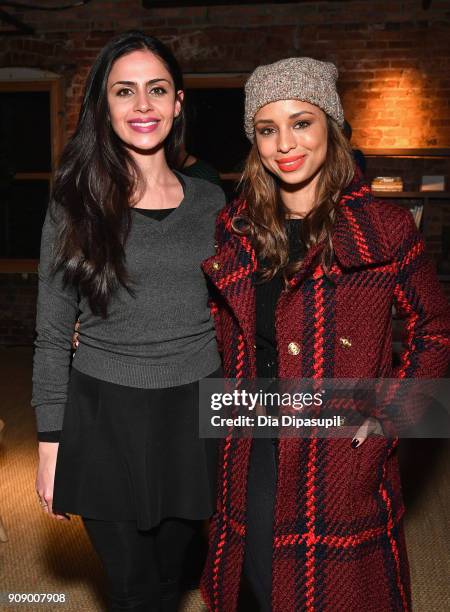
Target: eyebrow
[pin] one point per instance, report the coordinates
(293, 116)
(151, 82)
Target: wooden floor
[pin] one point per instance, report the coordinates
(43, 555)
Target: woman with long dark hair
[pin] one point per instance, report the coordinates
(121, 251)
(308, 268)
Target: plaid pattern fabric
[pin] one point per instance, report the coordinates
(338, 542)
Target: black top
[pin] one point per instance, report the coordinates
(267, 295)
(155, 213)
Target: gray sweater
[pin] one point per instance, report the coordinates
(162, 336)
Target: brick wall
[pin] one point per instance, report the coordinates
(393, 58)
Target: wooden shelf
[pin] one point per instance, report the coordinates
(389, 152)
(419, 195)
(230, 176)
(19, 266)
(413, 195)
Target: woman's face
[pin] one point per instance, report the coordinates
(142, 100)
(291, 137)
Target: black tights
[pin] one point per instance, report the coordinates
(262, 479)
(143, 567)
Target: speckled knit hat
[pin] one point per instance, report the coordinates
(295, 78)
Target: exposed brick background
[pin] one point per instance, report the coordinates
(393, 58)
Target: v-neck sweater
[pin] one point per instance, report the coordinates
(160, 335)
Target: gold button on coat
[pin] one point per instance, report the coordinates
(293, 348)
(216, 265)
(345, 342)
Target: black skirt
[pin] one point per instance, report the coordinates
(134, 454)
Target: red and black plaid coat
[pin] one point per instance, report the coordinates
(338, 541)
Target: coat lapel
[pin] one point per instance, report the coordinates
(358, 240)
(358, 235)
(231, 271)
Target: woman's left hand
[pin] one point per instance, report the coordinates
(370, 426)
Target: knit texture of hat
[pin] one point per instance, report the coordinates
(295, 78)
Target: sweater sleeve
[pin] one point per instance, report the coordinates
(49, 436)
(57, 309)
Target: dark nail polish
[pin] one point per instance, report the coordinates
(355, 443)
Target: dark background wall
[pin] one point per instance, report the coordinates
(393, 58)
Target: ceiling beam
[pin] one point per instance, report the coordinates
(185, 3)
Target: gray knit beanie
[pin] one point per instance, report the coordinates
(295, 78)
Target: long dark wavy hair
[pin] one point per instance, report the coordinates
(97, 179)
(264, 219)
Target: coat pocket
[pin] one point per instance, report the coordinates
(369, 469)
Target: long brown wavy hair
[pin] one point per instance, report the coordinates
(264, 218)
(97, 179)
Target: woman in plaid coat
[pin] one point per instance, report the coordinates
(307, 270)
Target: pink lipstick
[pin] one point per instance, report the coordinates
(144, 125)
